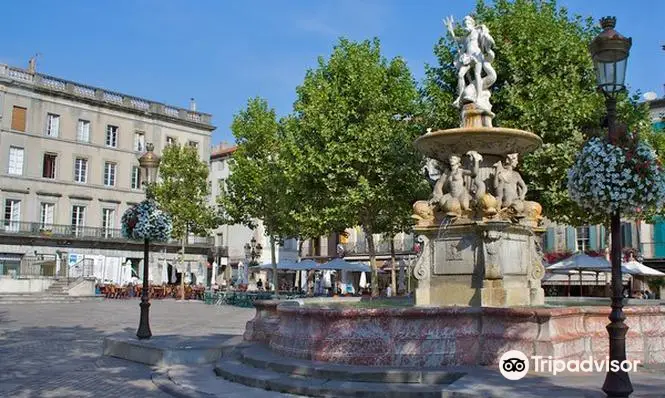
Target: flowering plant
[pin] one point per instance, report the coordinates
(608, 177)
(146, 221)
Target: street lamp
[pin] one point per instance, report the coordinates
(609, 51)
(253, 251)
(149, 163)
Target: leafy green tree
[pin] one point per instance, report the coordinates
(183, 192)
(257, 186)
(353, 142)
(545, 84)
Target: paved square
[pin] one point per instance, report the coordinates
(54, 350)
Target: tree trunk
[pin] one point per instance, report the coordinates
(393, 276)
(274, 263)
(182, 272)
(372, 263)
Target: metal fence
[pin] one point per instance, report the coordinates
(8, 227)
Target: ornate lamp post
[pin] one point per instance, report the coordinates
(253, 251)
(609, 51)
(149, 163)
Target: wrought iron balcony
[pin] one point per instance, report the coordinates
(381, 246)
(56, 231)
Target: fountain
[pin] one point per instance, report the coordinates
(478, 293)
(479, 234)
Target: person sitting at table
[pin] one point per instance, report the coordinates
(259, 285)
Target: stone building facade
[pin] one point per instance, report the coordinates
(70, 170)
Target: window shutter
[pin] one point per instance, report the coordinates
(549, 240)
(593, 237)
(18, 118)
(571, 240)
(601, 237)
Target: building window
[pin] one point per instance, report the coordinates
(46, 215)
(136, 177)
(220, 165)
(81, 170)
(193, 144)
(139, 141)
(108, 222)
(170, 141)
(12, 214)
(112, 136)
(109, 174)
(48, 170)
(583, 238)
(221, 185)
(52, 125)
(78, 219)
(83, 131)
(15, 160)
(18, 118)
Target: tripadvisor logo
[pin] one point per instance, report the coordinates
(514, 365)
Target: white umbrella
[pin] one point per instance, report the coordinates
(401, 286)
(165, 271)
(363, 280)
(581, 262)
(174, 276)
(637, 268)
(213, 278)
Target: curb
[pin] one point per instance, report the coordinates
(164, 383)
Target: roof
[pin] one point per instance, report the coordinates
(56, 86)
(657, 103)
(222, 152)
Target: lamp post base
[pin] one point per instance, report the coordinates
(144, 332)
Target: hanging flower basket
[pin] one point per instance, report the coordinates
(607, 177)
(146, 221)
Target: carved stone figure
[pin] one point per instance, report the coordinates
(509, 185)
(423, 212)
(451, 191)
(475, 55)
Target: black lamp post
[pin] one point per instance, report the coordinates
(149, 163)
(253, 251)
(609, 51)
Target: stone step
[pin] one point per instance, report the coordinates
(262, 357)
(234, 370)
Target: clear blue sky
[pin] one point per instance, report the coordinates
(223, 52)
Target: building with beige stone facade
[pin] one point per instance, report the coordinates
(69, 170)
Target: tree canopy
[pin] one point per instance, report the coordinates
(256, 188)
(183, 190)
(352, 136)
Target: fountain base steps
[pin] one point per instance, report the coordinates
(257, 366)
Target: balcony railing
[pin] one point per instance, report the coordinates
(381, 246)
(78, 232)
(101, 95)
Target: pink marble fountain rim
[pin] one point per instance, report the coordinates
(415, 312)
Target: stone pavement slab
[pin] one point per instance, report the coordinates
(55, 350)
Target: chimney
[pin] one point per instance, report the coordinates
(192, 105)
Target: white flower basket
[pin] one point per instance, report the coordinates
(606, 178)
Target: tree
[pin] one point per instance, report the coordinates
(353, 141)
(256, 187)
(183, 192)
(546, 84)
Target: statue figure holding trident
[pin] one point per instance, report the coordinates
(474, 56)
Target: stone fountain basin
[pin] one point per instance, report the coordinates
(485, 140)
(450, 336)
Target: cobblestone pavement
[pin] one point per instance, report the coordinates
(54, 350)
